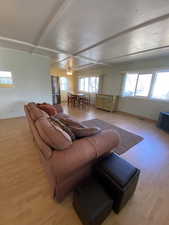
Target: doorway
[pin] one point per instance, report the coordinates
(55, 84)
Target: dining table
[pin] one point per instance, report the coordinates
(77, 94)
(76, 97)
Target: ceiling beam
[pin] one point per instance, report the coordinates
(45, 49)
(91, 60)
(84, 58)
(126, 31)
(77, 68)
(10, 40)
(77, 54)
(23, 43)
(139, 52)
(54, 17)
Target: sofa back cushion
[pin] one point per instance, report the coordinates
(52, 134)
(35, 112)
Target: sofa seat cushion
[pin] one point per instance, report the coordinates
(52, 134)
(48, 108)
(35, 112)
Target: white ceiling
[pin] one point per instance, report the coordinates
(92, 31)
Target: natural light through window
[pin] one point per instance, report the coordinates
(130, 84)
(63, 83)
(153, 85)
(6, 79)
(137, 84)
(89, 84)
(161, 86)
(143, 85)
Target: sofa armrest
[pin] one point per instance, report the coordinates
(104, 142)
(65, 163)
(83, 151)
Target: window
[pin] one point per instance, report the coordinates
(89, 84)
(93, 84)
(6, 79)
(161, 86)
(130, 84)
(86, 82)
(81, 84)
(63, 83)
(143, 85)
(137, 84)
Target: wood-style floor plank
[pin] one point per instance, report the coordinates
(24, 189)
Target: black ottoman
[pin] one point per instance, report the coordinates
(118, 177)
(91, 202)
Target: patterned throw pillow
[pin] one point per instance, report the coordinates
(53, 119)
(70, 122)
(79, 130)
(52, 134)
(85, 132)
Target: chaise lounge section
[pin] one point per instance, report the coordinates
(66, 167)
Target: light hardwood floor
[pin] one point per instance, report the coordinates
(24, 190)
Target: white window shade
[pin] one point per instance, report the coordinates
(86, 82)
(161, 86)
(137, 85)
(130, 84)
(89, 84)
(81, 84)
(143, 85)
(64, 84)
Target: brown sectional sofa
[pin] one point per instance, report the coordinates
(67, 167)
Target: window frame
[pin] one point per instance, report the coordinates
(84, 91)
(137, 96)
(153, 80)
(153, 84)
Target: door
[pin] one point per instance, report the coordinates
(56, 99)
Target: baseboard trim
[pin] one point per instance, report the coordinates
(137, 116)
(10, 118)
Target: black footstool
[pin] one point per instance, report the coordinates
(91, 202)
(118, 177)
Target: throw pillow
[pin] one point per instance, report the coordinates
(85, 132)
(52, 134)
(78, 129)
(70, 122)
(63, 126)
(49, 109)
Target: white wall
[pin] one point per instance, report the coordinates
(142, 107)
(145, 108)
(31, 81)
(112, 81)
